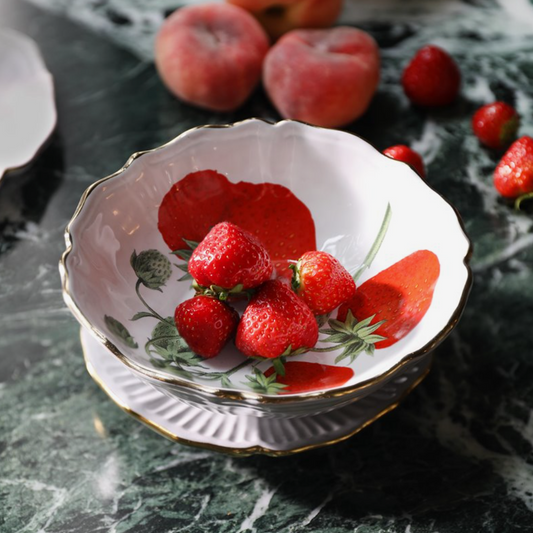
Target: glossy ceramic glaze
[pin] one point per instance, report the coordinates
(27, 106)
(239, 434)
(454, 457)
(348, 187)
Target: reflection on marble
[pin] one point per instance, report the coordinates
(456, 456)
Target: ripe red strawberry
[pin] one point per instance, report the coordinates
(322, 282)
(400, 152)
(206, 324)
(230, 257)
(400, 295)
(269, 211)
(496, 124)
(276, 322)
(301, 376)
(513, 176)
(432, 78)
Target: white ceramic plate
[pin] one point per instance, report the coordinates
(348, 187)
(27, 106)
(240, 434)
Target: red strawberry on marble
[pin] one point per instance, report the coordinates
(400, 152)
(230, 258)
(206, 324)
(269, 211)
(496, 124)
(302, 376)
(275, 323)
(513, 177)
(398, 296)
(322, 282)
(432, 78)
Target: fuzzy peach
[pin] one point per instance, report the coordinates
(280, 16)
(324, 77)
(211, 55)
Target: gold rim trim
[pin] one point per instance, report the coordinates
(251, 450)
(245, 396)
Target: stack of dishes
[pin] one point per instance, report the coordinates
(369, 211)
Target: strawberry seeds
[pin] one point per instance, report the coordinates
(230, 263)
(232, 267)
(280, 320)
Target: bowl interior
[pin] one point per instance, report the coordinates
(345, 183)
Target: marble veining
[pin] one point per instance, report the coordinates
(457, 454)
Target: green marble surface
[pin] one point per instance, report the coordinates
(455, 457)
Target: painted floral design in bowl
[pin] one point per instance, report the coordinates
(298, 188)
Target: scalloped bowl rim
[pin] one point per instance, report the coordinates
(238, 395)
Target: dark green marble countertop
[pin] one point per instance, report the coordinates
(456, 456)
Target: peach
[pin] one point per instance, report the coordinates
(324, 77)
(281, 16)
(211, 55)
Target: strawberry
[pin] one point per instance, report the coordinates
(432, 78)
(301, 376)
(399, 296)
(230, 258)
(400, 152)
(322, 282)
(269, 211)
(275, 323)
(496, 124)
(513, 176)
(206, 324)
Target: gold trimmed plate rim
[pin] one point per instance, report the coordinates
(245, 451)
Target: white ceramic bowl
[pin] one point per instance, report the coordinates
(352, 192)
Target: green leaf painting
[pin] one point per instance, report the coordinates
(117, 329)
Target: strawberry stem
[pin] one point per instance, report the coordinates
(279, 365)
(185, 254)
(295, 281)
(377, 244)
(352, 337)
(220, 293)
(521, 198)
